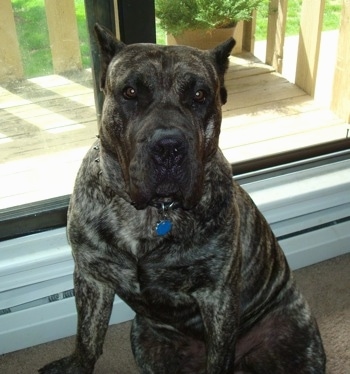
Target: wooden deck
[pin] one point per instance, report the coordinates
(48, 123)
(267, 114)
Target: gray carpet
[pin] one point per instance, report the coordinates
(326, 286)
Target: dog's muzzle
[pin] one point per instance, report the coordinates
(168, 151)
(166, 168)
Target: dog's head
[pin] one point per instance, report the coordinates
(161, 117)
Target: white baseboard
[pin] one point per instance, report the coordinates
(32, 269)
(47, 322)
(308, 210)
(320, 245)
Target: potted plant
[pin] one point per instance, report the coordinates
(202, 23)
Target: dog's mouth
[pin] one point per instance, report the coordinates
(162, 203)
(166, 203)
(167, 194)
(177, 193)
(156, 201)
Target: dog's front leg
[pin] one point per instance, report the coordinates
(94, 301)
(219, 311)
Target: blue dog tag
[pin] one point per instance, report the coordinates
(163, 227)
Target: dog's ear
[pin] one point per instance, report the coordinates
(109, 47)
(221, 54)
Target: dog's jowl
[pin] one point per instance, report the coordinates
(156, 218)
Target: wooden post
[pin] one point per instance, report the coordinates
(10, 57)
(238, 36)
(309, 44)
(248, 40)
(341, 84)
(63, 33)
(276, 30)
(116, 18)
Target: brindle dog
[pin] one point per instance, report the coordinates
(156, 218)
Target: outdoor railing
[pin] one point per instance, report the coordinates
(64, 42)
(309, 47)
(63, 35)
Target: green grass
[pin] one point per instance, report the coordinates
(33, 36)
(83, 33)
(331, 18)
(35, 46)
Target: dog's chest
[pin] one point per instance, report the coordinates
(172, 276)
(166, 288)
(160, 284)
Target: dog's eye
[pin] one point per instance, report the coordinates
(199, 97)
(129, 93)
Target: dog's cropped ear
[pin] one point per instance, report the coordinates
(109, 47)
(221, 54)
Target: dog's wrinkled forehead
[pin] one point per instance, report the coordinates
(164, 64)
(118, 59)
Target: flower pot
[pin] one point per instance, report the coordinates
(202, 39)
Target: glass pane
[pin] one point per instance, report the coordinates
(266, 113)
(47, 110)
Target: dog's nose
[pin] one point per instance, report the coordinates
(168, 148)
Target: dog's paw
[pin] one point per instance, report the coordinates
(67, 365)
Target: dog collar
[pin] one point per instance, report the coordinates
(164, 225)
